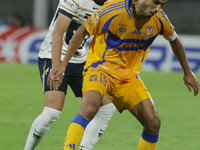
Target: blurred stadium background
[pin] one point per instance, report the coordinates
(21, 90)
(184, 14)
(22, 45)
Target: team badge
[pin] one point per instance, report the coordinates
(122, 28)
(149, 31)
(93, 77)
(96, 17)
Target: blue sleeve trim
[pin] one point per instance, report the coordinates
(81, 121)
(107, 24)
(65, 13)
(150, 137)
(162, 26)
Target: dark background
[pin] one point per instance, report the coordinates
(183, 14)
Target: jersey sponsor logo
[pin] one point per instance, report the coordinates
(136, 32)
(149, 31)
(96, 17)
(122, 28)
(71, 5)
(129, 45)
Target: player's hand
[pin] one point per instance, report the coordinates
(55, 77)
(192, 83)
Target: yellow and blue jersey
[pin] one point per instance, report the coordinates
(121, 43)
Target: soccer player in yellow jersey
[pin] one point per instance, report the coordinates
(123, 32)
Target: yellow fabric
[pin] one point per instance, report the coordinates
(121, 43)
(137, 98)
(144, 145)
(73, 137)
(95, 80)
(123, 94)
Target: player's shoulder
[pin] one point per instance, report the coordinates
(113, 7)
(68, 4)
(87, 2)
(162, 16)
(161, 13)
(72, 3)
(75, 5)
(117, 2)
(88, 5)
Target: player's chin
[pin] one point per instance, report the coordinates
(148, 15)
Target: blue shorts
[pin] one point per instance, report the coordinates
(72, 76)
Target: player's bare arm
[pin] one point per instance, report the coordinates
(61, 27)
(76, 41)
(189, 77)
(57, 72)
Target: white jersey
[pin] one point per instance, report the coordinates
(78, 11)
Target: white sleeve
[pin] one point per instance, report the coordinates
(69, 6)
(173, 37)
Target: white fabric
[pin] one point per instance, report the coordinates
(40, 127)
(97, 126)
(173, 37)
(81, 10)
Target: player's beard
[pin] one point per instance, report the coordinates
(145, 10)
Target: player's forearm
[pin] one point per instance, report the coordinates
(179, 51)
(76, 41)
(61, 27)
(56, 50)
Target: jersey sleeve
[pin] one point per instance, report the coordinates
(93, 24)
(69, 7)
(167, 29)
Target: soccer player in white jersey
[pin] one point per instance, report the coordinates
(69, 15)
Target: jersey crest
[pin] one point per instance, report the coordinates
(122, 28)
(149, 31)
